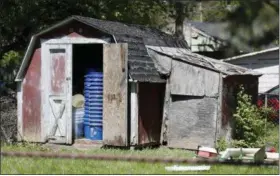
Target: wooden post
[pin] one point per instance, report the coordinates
(265, 105)
(134, 113)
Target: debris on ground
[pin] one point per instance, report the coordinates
(206, 152)
(187, 168)
(255, 154)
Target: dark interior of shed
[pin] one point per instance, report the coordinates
(85, 56)
(151, 99)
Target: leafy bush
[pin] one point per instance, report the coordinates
(10, 60)
(9, 64)
(249, 123)
(221, 144)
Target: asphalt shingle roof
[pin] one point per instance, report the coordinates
(141, 66)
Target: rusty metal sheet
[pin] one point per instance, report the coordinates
(115, 93)
(31, 98)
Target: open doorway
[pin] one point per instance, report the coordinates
(151, 99)
(87, 84)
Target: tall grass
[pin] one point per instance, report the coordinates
(15, 165)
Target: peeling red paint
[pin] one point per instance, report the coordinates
(58, 72)
(31, 107)
(31, 85)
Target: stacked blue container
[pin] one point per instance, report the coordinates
(78, 114)
(93, 104)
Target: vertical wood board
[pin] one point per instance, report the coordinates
(57, 93)
(134, 114)
(115, 94)
(19, 112)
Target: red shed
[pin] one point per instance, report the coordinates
(54, 64)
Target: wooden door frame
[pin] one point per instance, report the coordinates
(45, 46)
(45, 89)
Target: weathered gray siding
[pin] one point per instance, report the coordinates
(192, 115)
(192, 122)
(190, 80)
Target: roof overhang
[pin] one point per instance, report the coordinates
(210, 63)
(250, 54)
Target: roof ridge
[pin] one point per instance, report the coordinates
(124, 23)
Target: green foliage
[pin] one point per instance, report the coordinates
(8, 67)
(10, 60)
(254, 25)
(216, 11)
(250, 25)
(250, 122)
(20, 19)
(221, 144)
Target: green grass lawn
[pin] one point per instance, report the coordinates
(16, 165)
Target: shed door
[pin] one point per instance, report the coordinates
(115, 95)
(58, 93)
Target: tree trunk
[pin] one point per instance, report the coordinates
(179, 21)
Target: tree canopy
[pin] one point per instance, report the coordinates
(252, 23)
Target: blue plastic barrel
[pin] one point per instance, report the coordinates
(78, 114)
(93, 92)
(94, 131)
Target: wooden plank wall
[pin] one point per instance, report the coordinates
(115, 91)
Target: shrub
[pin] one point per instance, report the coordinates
(10, 60)
(249, 122)
(8, 66)
(221, 144)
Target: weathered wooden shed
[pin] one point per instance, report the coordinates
(154, 89)
(200, 96)
(54, 65)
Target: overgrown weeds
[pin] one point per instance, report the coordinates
(251, 128)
